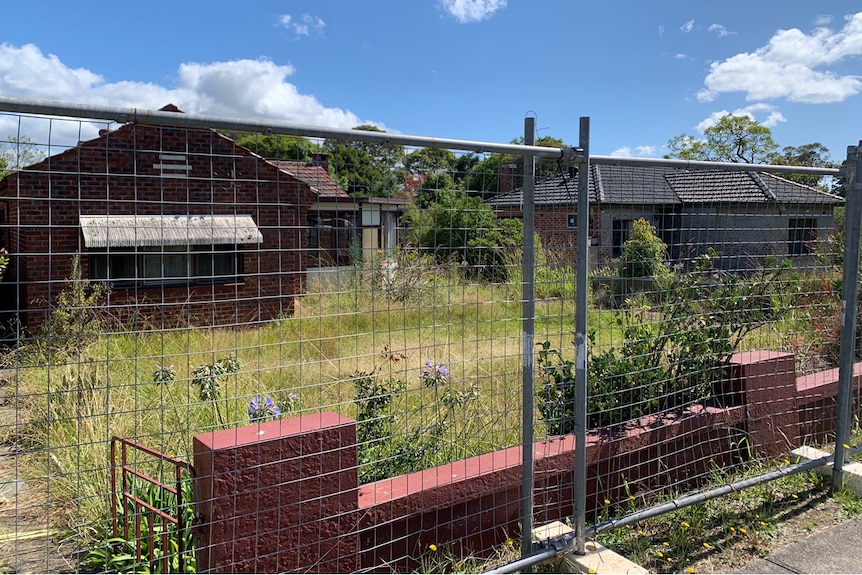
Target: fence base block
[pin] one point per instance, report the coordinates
(597, 559)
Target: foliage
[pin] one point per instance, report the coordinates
(4, 261)
(400, 273)
(17, 153)
(209, 377)
(644, 254)
(76, 318)
(367, 169)
(483, 176)
(275, 147)
(119, 554)
(672, 355)
(731, 139)
(464, 229)
(383, 451)
(814, 154)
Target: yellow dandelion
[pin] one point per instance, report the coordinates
(509, 542)
(457, 565)
(706, 545)
(846, 446)
(591, 570)
(607, 501)
(660, 554)
(742, 530)
(666, 544)
(631, 497)
(669, 559)
(787, 462)
(763, 523)
(684, 524)
(640, 532)
(732, 529)
(432, 547)
(691, 569)
(795, 496)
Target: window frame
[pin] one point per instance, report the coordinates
(138, 261)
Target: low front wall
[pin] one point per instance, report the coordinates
(473, 505)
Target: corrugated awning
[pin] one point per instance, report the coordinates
(179, 230)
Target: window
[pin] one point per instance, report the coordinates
(162, 250)
(622, 230)
(800, 236)
(165, 266)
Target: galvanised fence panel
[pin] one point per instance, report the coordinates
(235, 347)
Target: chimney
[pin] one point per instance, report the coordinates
(507, 178)
(320, 159)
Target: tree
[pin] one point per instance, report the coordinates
(484, 175)
(274, 147)
(367, 169)
(732, 139)
(430, 160)
(814, 154)
(16, 153)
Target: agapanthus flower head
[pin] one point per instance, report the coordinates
(434, 375)
(258, 411)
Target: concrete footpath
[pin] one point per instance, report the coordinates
(834, 550)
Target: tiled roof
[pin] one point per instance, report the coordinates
(315, 176)
(611, 184)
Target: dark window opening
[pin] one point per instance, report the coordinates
(167, 265)
(801, 235)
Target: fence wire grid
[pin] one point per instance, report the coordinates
(319, 350)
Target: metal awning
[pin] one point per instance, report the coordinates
(177, 230)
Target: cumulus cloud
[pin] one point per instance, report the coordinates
(688, 26)
(792, 66)
(249, 89)
(769, 116)
(720, 30)
(305, 25)
(465, 11)
(639, 152)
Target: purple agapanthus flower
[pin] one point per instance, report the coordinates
(434, 375)
(258, 411)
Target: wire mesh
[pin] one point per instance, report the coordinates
(329, 331)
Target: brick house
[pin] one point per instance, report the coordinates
(743, 215)
(185, 226)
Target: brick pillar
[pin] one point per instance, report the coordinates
(279, 496)
(766, 382)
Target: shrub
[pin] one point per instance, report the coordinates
(644, 254)
(670, 356)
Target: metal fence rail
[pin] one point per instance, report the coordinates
(382, 351)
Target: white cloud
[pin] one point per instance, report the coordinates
(639, 152)
(688, 26)
(465, 11)
(305, 25)
(680, 56)
(248, 89)
(772, 119)
(823, 19)
(720, 30)
(661, 31)
(789, 66)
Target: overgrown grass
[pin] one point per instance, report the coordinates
(69, 409)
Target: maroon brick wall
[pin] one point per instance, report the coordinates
(115, 174)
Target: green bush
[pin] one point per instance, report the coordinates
(644, 254)
(672, 354)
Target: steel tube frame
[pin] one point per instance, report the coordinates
(849, 304)
(581, 303)
(181, 120)
(528, 343)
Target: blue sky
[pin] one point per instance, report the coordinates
(467, 69)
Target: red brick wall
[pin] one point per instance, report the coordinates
(115, 174)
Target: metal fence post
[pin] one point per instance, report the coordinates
(580, 487)
(849, 304)
(529, 312)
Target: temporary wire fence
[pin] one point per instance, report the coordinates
(385, 352)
